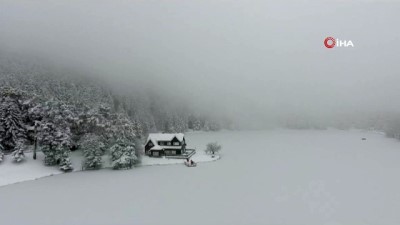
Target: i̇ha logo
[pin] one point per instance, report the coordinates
(331, 42)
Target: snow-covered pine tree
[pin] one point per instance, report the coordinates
(120, 127)
(105, 111)
(65, 162)
(137, 126)
(48, 143)
(63, 143)
(55, 143)
(1, 153)
(93, 150)
(122, 155)
(12, 125)
(180, 123)
(54, 131)
(196, 124)
(18, 153)
(169, 125)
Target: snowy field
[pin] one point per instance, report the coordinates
(264, 177)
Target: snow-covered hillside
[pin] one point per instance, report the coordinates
(263, 177)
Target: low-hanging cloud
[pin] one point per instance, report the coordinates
(251, 60)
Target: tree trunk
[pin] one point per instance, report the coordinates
(34, 149)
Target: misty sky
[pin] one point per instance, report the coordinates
(252, 59)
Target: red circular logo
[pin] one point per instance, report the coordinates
(329, 42)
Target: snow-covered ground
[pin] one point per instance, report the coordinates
(11, 172)
(264, 177)
(29, 169)
(199, 157)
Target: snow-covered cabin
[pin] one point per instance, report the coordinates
(159, 144)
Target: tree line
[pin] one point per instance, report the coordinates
(54, 114)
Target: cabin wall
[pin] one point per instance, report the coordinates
(157, 153)
(172, 151)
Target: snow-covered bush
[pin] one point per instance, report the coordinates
(65, 163)
(18, 154)
(93, 150)
(122, 155)
(62, 154)
(213, 148)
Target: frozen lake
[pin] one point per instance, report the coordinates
(264, 177)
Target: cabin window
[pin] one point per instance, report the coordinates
(169, 143)
(176, 143)
(173, 152)
(151, 144)
(156, 154)
(167, 152)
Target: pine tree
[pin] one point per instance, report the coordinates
(1, 153)
(196, 124)
(122, 155)
(137, 126)
(47, 140)
(55, 143)
(54, 131)
(93, 150)
(11, 120)
(18, 153)
(65, 162)
(62, 153)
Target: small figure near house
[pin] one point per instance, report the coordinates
(190, 163)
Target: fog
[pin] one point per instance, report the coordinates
(250, 60)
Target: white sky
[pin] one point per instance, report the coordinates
(252, 58)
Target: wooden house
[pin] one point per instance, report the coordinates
(165, 144)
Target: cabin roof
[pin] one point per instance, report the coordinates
(156, 147)
(155, 137)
